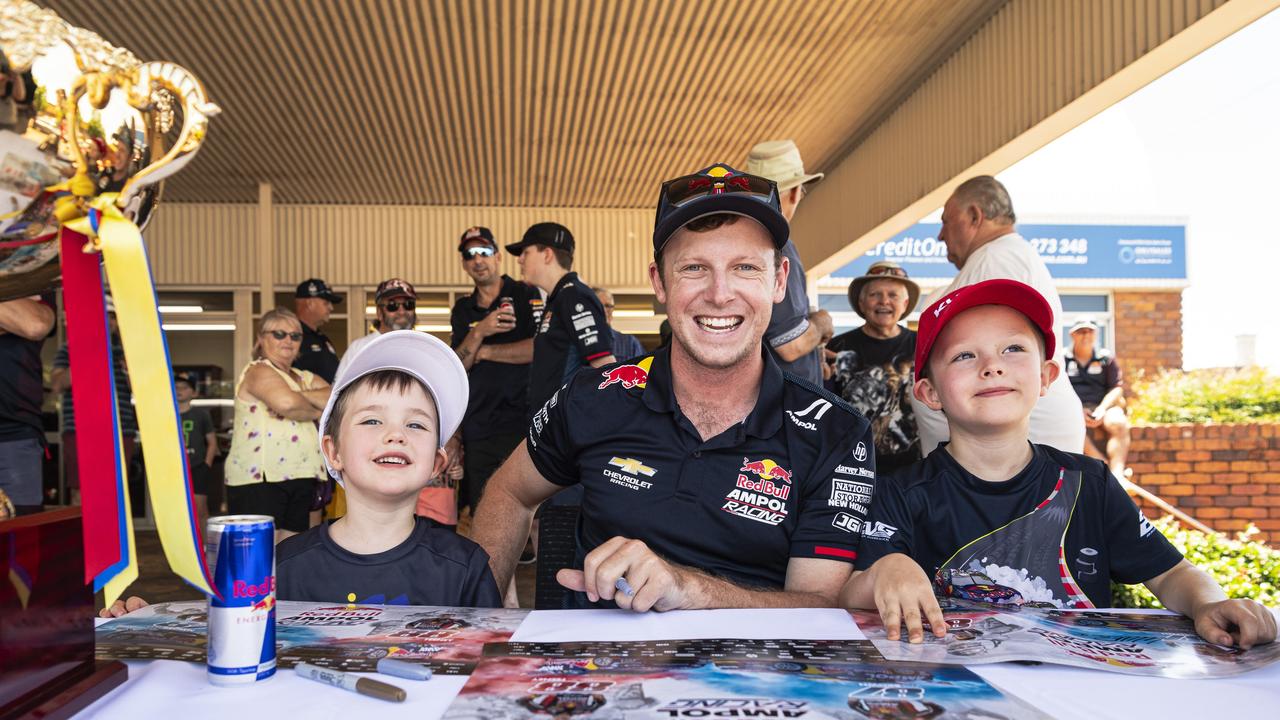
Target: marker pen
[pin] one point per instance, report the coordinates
(354, 683)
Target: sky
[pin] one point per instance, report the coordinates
(1201, 143)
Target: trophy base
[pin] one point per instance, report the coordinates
(72, 692)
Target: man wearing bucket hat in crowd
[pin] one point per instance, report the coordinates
(1095, 375)
(873, 362)
(698, 491)
(495, 344)
(382, 430)
(795, 333)
(313, 304)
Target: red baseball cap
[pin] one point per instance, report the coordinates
(1010, 293)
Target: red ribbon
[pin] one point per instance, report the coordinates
(93, 395)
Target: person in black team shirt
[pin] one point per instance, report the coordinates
(874, 362)
(994, 517)
(495, 345)
(382, 433)
(313, 303)
(572, 333)
(696, 491)
(1095, 375)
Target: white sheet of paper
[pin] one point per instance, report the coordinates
(782, 624)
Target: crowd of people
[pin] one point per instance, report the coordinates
(752, 460)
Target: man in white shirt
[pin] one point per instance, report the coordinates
(978, 229)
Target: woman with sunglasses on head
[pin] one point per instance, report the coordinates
(275, 462)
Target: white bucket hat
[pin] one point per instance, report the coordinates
(779, 160)
(420, 355)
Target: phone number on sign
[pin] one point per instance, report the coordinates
(1060, 246)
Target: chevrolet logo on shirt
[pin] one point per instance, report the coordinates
(633, 466)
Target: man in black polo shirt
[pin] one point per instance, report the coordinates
(698, 492)
(1095, 375)
(495, 344)
(573, 332)
(314, 301)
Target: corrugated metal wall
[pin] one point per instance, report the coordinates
(206, 244)
(1035, 70)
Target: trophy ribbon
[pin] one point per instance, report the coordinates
(147, 356)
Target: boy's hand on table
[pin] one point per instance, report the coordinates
(122, 607)
(1235, 623)
(903, 594)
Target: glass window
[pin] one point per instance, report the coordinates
(1085, 303)
(833, 303)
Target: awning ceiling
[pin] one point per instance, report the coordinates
(548, 103)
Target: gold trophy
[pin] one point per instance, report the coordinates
(87, 133)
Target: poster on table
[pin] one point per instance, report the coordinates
(1124, 642)
(715, 679)
(344, 637)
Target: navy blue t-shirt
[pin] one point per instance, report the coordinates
(433, 566)
(1058, 532)
(792, 480)
(790, 319)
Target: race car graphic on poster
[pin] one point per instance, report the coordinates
(1133, 643)
(715, 679)
(344, 637)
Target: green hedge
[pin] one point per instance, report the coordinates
(1250, 395)
(1243, 567)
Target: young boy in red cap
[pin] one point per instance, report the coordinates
(990, 516)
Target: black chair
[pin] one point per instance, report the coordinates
(557, 546)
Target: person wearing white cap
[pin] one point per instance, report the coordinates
(796, 334)
(1095, 375)
(382, 433)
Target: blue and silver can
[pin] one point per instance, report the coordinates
(240, 550)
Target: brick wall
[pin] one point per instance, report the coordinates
(1225, 476)
(1148, 330)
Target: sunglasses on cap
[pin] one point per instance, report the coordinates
(682, 190)
(281, 334)
(476, 251)
(889, 270)
(395, 305)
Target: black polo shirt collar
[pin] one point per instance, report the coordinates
(507, 290)
(765, 418)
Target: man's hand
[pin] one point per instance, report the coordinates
(1090, 421)
(498, 321)
(828, 364)
(655, 584)
(1235, 623)
(826, 327)
(904, 594)
(122, 607)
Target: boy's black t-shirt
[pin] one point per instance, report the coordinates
(1059, 531)
(432, 567)
(196, 426)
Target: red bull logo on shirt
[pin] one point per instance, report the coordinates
(631, 376)
(767, 469)
(762, 498)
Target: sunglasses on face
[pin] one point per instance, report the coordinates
(395, 305)
(281, 335)
(478, 251)
(691, 187)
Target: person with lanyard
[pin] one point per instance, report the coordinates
(314, 304)
(494, 341)
(573, 333)
(873, 363)
(697, 493)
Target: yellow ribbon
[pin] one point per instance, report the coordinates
(151, 376)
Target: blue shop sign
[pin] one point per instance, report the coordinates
(1111, 252)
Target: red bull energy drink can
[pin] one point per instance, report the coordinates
(241, 553)
(506, 303)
